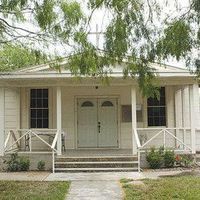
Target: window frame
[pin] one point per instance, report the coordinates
(42, 108)
(158, 106)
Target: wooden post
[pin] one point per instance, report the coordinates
(178, 113)
(2, 120)
(59, 120)
(134, 120)
(194, 113)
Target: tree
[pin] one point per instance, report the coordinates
(10, 54)
(137, 34)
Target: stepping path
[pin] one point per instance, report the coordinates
(95, 190)
(94, 186)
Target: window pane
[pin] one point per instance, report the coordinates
(39, 123)
(39, 93)
(45, 123)
(87, 104)
(45, 93)
(33, 123)
(33, 113)
(107, 104)
(39, 116)
(39, 113)
(45, 113)
(157, 110)
(33, 93)
(45, 103)
(33, 103)
(39, 103)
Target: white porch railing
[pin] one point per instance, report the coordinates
(177, 139)
(21, 139)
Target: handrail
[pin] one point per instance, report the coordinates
(55, 140)
(136, 138)
(165, 131)
(138, 146)
(7, 139)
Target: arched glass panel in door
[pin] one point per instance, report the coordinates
(107, 104)
(87, 104)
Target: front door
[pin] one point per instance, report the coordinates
(97, 122)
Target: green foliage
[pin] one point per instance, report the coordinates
(41, 165)
(24, 163)
(186, 160)
(13, 163)
(154, 158)
(10, 54)
(160, 157)
(184, 187)
(169, 158)
(176, 41)
(34, 190)
(132, 38)
(16, 163)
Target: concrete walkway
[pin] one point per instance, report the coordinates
(94, 186)
(95, 190)
(88, 186)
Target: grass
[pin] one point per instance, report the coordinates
(176, 188)
(28, 190)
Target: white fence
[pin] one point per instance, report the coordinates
(177, 139)
(27, 140)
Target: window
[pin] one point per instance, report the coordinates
(39, 108)
(156, 109)
(107, 104)
(87, 104)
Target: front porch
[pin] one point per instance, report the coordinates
(71, 107)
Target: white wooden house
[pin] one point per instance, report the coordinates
(42, 109)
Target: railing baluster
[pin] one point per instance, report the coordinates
(30, 142)
(164, 138)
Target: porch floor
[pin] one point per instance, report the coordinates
(96, 152)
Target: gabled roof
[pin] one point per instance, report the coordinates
(46, 70)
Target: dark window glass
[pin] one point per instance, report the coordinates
(156, 109)
(87, 104)
(107, 104)
(39, 111)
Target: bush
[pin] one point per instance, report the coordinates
(41, 165)
(155, 158)
(16, 163)
(186, 160)
(169, 158)
(24, 164)
(13, 163)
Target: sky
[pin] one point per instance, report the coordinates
(101, 19)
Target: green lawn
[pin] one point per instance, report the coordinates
(176, 188)
(22, 190)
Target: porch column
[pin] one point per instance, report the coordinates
(186, 107)
(194, 113)
(134, 120)
(178, 115)
(2, 126)
(178, 108)
(59, 119)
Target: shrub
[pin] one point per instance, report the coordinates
(187, 160)
(24, 164)
(13, 163)
(41, 165)
(154, 158)
(169, 158)
(16, 163)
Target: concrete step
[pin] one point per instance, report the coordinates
(96, 159)
(96, 169)
(115, 164)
